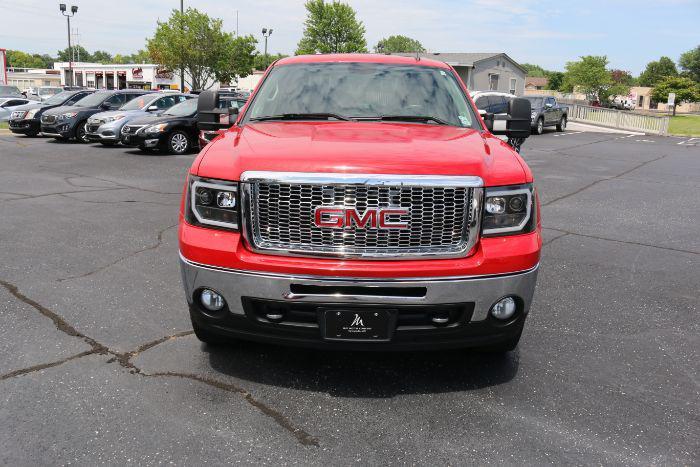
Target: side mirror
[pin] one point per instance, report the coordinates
(517, 121)
(152, 108)
(105, 106)
(548, 105)
(209, 116)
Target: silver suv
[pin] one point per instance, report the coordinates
(106, 127)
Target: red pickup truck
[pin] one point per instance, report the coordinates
(360, 202)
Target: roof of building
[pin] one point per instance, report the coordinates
(536, 81)
(462, 58)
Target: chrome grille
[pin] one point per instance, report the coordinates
(442, 220)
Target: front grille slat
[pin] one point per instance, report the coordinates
(281, 219)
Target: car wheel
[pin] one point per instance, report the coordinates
(209, 337)
(178, 142)
(539, 128)
(81, 133)
(561, 126)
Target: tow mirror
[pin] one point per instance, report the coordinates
(516, 124)
(209, 116)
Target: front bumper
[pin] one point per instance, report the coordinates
(25, 126)
(148, 141)
(467, 299)
(102, 133)
(61, 129)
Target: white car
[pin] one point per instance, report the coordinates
(7, 105)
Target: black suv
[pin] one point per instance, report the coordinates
(68, 122)
(25, 119)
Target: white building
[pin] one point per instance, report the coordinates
(118, 76)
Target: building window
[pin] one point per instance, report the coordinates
(513, 84)
(493, 82)
(47, 82)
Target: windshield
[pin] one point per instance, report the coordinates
(9, 90)
(92, 100)
(363, 90)
(59, 98)
(138, 103)
(535, 102)
(183, 109)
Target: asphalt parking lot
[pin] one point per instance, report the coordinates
(98, 364)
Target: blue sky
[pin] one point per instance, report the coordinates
(549, 33)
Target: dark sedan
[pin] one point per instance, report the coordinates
(26, 119)
(67, 122)
(174, 131)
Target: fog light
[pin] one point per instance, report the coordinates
(211, 300)
(504, 308)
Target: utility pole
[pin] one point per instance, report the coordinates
(182, 68)
(236, 23)
(76, 51)
(73, 11)
(266, 33)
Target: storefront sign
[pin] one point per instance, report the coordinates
(137, 73)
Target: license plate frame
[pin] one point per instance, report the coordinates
(357, 324)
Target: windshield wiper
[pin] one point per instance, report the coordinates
(412, 118)
(301, 116)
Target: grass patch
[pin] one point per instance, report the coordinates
(684, 125)
(3, 125)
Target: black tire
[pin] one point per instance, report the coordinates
(561, 126)
(209, 337)
(539, 127)
(178, 142)
(81, 133)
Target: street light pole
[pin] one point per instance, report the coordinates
(182, 68)
(266, 33)
(73, 11)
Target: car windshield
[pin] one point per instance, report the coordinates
(183, 109)
(535, 102)
(59, 98)
(364, 91)
(9, 90)
(138, 103)
(92, 100)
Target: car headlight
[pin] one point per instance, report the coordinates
(31, 113)
(509, 210)
(17, 115)
(67, 115)
(113, 118)
(155, 128)
(212, 203)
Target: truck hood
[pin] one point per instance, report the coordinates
(361, 147)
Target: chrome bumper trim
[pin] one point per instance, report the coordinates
(482, 290)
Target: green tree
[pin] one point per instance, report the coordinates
(398, 44)
(690, 63)
(19, 59)
(555, 80)
(331, 28)
(685, 89)
(194, 41)
(589, 75)
(534, 70)
(262, 62)
(78, 51)
(100, 56)
(141, 56)
(656, 71)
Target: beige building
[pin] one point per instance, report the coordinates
(25, 78)
(536, 83)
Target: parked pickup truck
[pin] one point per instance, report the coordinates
(360, 202)
(547, 112)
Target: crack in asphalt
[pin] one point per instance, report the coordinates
(44, 366)
(564, 234)
(124, 359)
(606, 179)
(159, 242)
(135, 201)
(60, 193)
(118, 184)
(626, 242)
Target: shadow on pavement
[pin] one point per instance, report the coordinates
(363, 374)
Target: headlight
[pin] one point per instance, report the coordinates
(31, 113)
(509, 210)
(212, 202)
(17, 115)
(67, 115)
(155, 128)
(113, 118)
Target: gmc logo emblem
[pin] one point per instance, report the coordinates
(374, 218)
